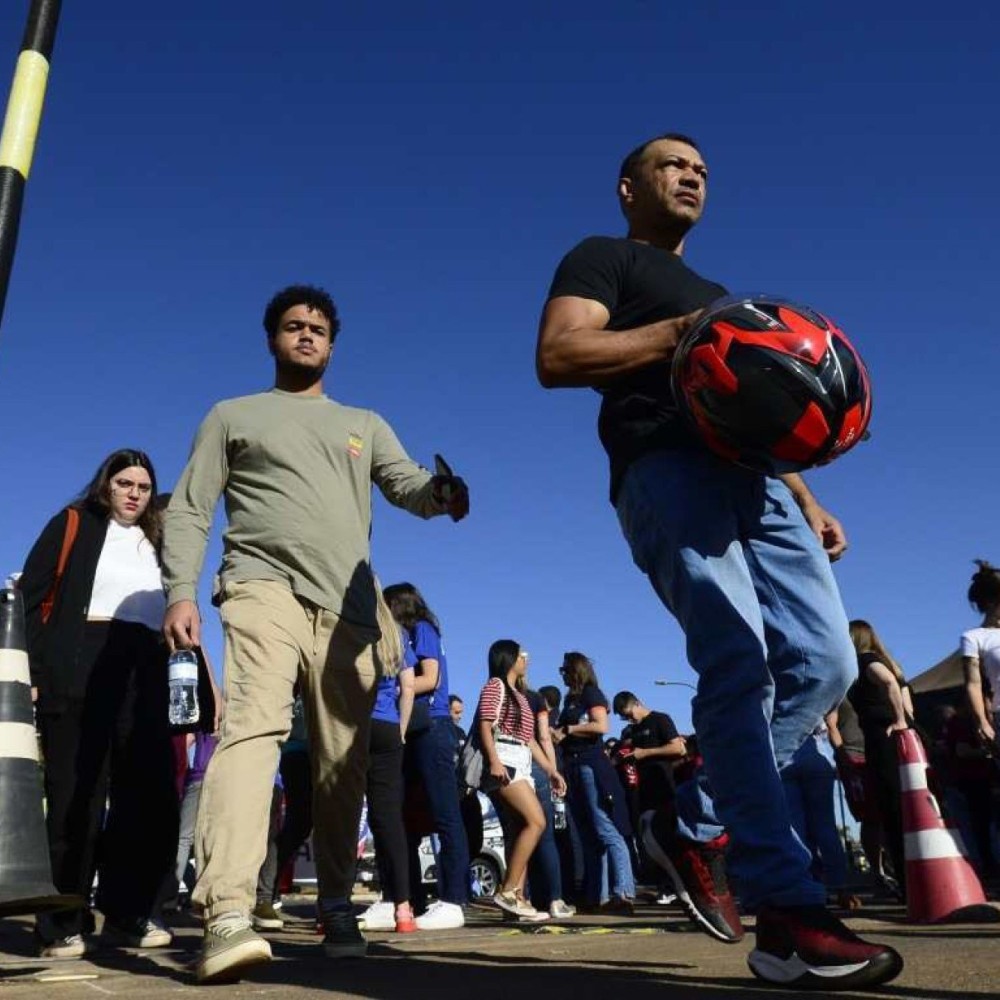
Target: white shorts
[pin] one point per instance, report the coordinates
(516, 757)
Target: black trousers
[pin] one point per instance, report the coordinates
(296, 776)
(109, 778)
(385, 809)
(883, 763)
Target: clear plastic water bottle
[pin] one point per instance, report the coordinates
(558, 812)
(182, 676)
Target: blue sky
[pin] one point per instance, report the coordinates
(430, 164)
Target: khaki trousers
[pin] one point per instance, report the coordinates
(272, 638)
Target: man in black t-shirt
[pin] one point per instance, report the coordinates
(652, 742)
(656, 744)
(743, 562)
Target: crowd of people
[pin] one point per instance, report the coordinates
(741, 559)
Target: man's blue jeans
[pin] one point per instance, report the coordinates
(730, 554)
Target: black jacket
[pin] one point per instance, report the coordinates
(54, 648)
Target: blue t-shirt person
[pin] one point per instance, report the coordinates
(387, 691)
(425, 642)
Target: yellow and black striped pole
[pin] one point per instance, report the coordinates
(20, 127)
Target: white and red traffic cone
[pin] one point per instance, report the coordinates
(940, 883)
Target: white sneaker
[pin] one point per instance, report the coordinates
(441, 916)
(72, 946)
(138, 933)
(379, 916)
(561, 911)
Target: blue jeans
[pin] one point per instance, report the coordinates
(432, 755)
(544, 873)
(602, 842)
(809, 781)
(730, 554)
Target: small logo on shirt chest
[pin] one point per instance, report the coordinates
(355, 445)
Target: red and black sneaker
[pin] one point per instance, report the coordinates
(698, 872)
(808, 948)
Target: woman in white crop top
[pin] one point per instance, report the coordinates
(99, 667)
(981, 654)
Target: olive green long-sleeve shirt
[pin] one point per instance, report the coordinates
(296, 473)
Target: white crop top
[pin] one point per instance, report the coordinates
(127, 583)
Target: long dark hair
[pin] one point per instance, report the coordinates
(502, 656)
(97, 493)
(578, 671)
(408, 606)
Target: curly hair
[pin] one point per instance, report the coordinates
(315, 298)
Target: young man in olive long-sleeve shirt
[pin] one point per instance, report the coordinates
(298, 602)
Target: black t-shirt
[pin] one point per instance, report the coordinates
(656, 730)
(538, 706)
(638, 284)
(868, 697)
(575, 710)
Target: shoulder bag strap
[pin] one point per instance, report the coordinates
(69, 537)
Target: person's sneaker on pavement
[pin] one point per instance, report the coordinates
(698, 872)
(807, 947)
(229, 947)
(380, 916)
(619, 906)
(265, 917)
(441, 916)
(70, 946)
(136, 933)
(561, 910)
(342, 938)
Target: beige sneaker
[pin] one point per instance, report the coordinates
(514, 903)
(229, 947)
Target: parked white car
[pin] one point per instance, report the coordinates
(488, 867)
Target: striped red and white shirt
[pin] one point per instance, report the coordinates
(490, 699)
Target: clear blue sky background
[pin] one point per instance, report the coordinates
(430, 164)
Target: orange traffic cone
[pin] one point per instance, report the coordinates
(940, 883)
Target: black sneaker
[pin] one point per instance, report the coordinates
(808, 948)
(698, 872)
(342, 938)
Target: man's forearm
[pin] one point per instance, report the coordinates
(589, 357)
(402, 481)
(797, 485)
(189, 516)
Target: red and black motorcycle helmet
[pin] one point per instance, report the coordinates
(771, 385)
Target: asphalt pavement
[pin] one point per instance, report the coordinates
(655, 955)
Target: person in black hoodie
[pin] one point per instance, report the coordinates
(99, 674)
